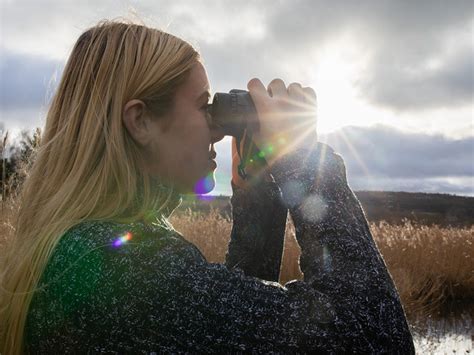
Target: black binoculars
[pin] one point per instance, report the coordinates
(233, 113)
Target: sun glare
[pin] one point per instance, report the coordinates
(333, 78)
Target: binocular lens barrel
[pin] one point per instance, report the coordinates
(233, 112)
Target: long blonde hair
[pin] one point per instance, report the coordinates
(88, 166)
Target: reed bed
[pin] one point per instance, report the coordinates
(432, 267)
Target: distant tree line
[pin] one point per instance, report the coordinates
(16, 158)
(392, 207)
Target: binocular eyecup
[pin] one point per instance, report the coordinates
(233, 113)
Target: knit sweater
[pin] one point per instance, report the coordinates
(142, 288)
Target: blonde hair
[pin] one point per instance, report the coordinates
(88, 167)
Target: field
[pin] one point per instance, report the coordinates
(383, 206)
(432, 268)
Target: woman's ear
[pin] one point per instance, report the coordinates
(136, 120)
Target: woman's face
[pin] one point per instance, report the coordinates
(183, 152)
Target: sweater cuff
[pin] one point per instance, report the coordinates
(318, 169)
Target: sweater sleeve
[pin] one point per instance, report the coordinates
(159, 294)
(258, 230)
(339, 255)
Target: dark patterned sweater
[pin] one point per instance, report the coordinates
(142, 288)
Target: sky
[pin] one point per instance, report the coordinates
(394, 79)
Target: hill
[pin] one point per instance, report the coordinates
(393, 207)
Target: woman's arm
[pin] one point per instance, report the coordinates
(258, 221)
(339, 256)
(258, 230)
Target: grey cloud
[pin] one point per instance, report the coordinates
(416, 18)
(25, 80)
(398, 38)
(233, 68)
(384, 158)
(401, 85)
(306, 18)
(395, 36)
(17, 120)
(382, 152)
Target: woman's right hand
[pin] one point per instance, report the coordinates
(287, 117)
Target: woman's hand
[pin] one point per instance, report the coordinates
(287, 119)
(255, 169)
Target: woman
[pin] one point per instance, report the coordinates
(95, 265)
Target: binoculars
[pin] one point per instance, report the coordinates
(233, 113)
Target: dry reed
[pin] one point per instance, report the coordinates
(431, 266)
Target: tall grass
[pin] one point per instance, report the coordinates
(432, 267)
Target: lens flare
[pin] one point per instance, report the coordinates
(204, 185)
(122, 239)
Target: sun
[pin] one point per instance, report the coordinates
(334, 79)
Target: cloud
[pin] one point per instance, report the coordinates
(384, 158)
(418, 54)
(17, 120)
(402, 85)
(383, 152)
(26, 80)
(412, 56)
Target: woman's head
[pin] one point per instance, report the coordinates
(177, 146)
(130, 81)
(123, 115)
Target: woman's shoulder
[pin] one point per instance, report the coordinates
(115, 234)
(101, 260)
(101, 244)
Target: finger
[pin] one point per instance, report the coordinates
(296, 93)
(256, 88)
(310, 95)
(260, 98)
(277, 88)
